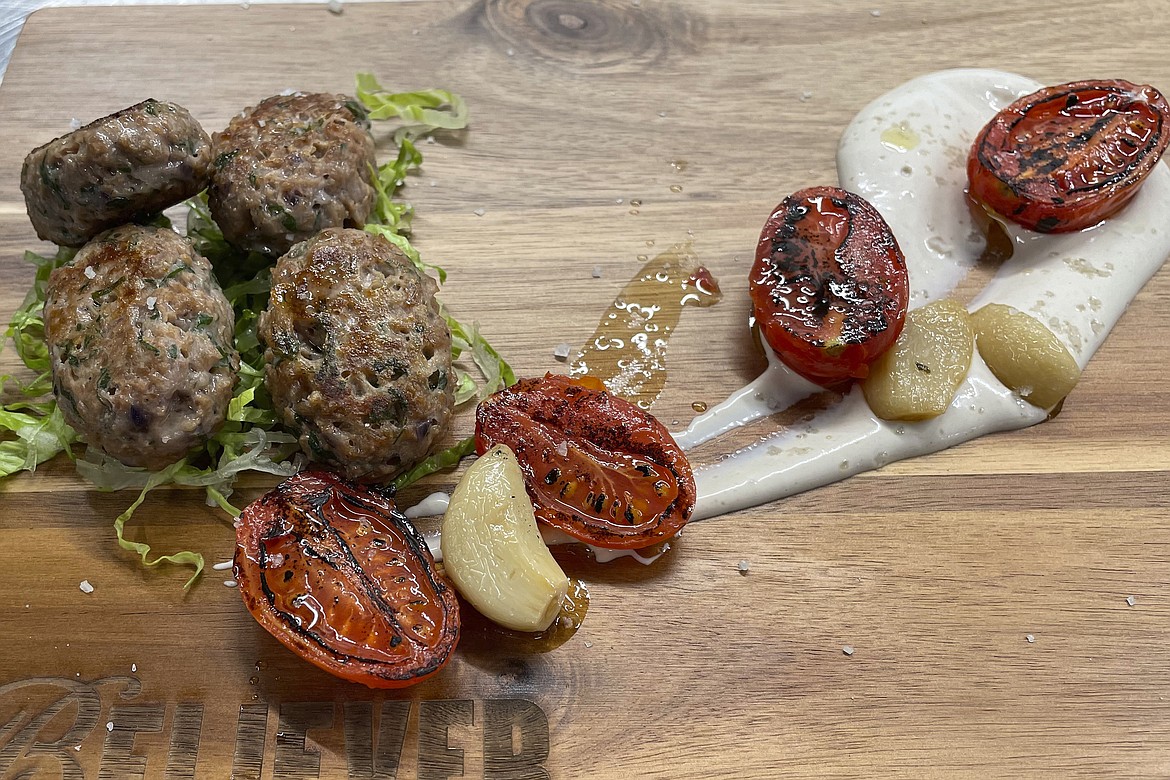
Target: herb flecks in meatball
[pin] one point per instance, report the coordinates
(126, 166)
(358, 356)
(290, 167)
(140, 342)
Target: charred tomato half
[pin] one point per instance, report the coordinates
(1064, 158)
(829, 287)
(343, 580)
(596, 466)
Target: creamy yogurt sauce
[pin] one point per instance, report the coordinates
(906, 154)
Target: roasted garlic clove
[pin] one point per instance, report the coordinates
(1024, 354)
(917, 378)
(492, 548)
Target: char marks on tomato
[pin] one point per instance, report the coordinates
(335, 573)
(596, 466)
(829, 286)
(1064, 158)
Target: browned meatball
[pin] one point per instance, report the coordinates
(122, 167)
(140, 342)
(288, 168)
(358, 356)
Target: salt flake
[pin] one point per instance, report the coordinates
(561, 351)
(86, 587)
(847, 649)
(1131, 600)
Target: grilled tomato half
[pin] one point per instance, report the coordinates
(1064, 158)
(596, 466)
(829, 287)
(343, 580)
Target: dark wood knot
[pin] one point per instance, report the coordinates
(591, 35)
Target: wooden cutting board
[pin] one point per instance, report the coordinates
(983, 590)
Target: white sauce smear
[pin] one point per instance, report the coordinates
(906, 154)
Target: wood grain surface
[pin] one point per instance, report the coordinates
(935, 571)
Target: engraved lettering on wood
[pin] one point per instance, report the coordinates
(515, 740)
(371, 756)
(251, 730)
(186, 728)
(119, 762)
(437, 760)
(23, 752)
(293, 760)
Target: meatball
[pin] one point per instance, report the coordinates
(140, 345)
(288, 168)
(358, 356)
(122, 167)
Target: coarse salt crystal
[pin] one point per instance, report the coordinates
(596, 272)
(1131, 600)
(563, 449)
(479, 212)
(90, 273)
(847, 649)
(805, 96)
(561, 351)
(150, 302)
(134, 667)
(1030, 638)
(875, 13)
(335, 7)
(109, 725)
(744, 567)
(74, 124)
(86, 587)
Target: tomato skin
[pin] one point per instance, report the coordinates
(596, 466)
(829, 286)
(343, 580)
(1066, 157)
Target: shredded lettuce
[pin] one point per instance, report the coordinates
(424, 110)
(32, 428)
(496, 372)
(443, 459)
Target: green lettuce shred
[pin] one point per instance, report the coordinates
(33, 430)
(443, 459)
(424, 110)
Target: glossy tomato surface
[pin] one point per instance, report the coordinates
(331, 570)
(596, 466)
(829, 286)
(1064, 158)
